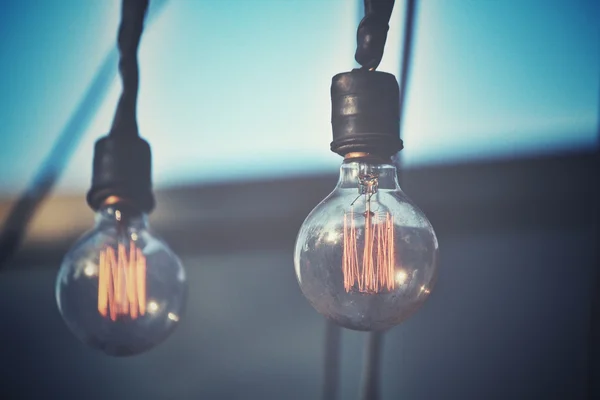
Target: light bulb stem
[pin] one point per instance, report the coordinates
(119, 202)
(122, 215)
(112, 200)
(360, 156)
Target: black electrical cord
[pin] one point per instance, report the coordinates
(407, 46)
(130, 32)
(372, 32)
(122, 159)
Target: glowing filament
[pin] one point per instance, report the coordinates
(370, 269)
(122, 282)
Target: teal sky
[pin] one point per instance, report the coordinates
(237, 89)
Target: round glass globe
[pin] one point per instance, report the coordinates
(120, 289)
(366, 256)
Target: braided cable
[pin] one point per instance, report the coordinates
(372, 33)
(133, 13)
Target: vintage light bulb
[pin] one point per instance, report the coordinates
(365, 257)
(120, 289)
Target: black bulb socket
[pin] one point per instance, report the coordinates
(365, 107)
(122, 169)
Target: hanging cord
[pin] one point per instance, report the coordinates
(133, 13)
(372, 33)
(406, 53)
(26, 206)
(122, 166)
(405, 70)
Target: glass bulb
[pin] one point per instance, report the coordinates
(366, 256)
(120, 289)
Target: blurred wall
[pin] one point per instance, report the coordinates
(509, 317)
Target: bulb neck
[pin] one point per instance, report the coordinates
(120, 214)
(364, 157)
(368, 173)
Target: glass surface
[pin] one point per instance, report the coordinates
(366, 256)
(120, 289)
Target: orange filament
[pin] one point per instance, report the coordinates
(370, 269)
(122, 282)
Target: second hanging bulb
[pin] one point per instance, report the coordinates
(120, 289)
(366, 255)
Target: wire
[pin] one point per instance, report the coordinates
(372, 32)
(594, 330)
(25, 207)
(405, 68)
(133, 13)
(406, 53)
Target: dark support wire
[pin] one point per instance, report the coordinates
(373, 355)
(372, 367)
(409, 21)
(594, 332)
(407, 45)
(331, 365)
(130, 32)
(27, 204)
(52, 167)
(372, 32)
(122, 166)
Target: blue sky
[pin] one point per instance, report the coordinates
(237, 89)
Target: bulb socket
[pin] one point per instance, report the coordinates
(122, 169)
(365, 107)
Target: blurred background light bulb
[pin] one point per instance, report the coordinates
(120, 289)
(366, 256)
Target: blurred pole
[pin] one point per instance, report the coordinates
(409, 22)
(372, 366)
(594, 334)
(52, 167)
(57, 159)
(331, 365)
